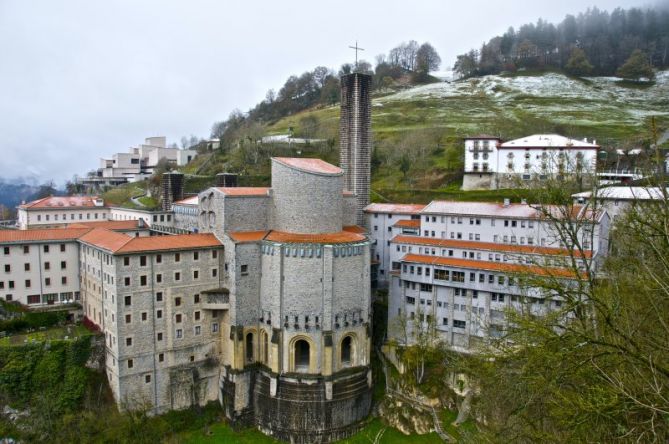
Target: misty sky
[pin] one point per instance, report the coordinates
(84, 79)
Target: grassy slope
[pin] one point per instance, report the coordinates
(611, 111)
(221, 432)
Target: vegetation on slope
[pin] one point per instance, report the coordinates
(594, 42)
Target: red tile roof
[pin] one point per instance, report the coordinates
(492, 266)
(394, 208)
(59, 202)
(244, 191)
(247, 236)
(310, 165)
(349, 234)
(122, 244)
(354, 229)
(324, 238)
(105, 239)
(490, 246)
(110, 225)
(173, 242)
(49, 234)
(407, 223)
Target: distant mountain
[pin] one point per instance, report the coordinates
(13, 193)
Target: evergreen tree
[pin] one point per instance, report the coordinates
(578, 63)
(636, 67)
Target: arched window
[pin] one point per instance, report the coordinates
(265, 345)
(302, 355)
(249, 347)
(346, 351)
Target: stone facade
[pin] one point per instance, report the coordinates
(271, 311)
(355, 137)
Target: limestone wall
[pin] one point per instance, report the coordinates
(304, 202)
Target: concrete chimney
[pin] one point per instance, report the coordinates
(173, 189)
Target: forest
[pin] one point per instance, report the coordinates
(607, 40)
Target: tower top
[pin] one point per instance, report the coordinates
(357, 48)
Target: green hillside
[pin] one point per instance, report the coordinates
(418, 131)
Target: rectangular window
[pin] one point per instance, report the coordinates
(159, 258)
(128, 319)
(161, 357)
(180, 333)
(459, 324)
(147, 378)
(126, 261)
(159, 278)
(177, 257)
(214, 327)
(62, 248)
(6, 250)
(27, 283)
(198, 330)
(130, 363)
(177, 318)
(144, 316)
(159, 336)
(46, 248)
(128, 342)
(47, 281)
(47, 265)
(26, 267)
(196, 255)
(196, 274)
(177, 276)
(159, 296)
(177, 301)
(127, 300)
(142, 280)
(159, 314)
(244, 270)
(26, 249)
(126, 281)
(63, 265)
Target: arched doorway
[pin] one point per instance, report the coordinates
(347, 351)
(302, 356)
(249, 347)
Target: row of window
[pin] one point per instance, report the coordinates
(72, 216)
(26, 249)
(26, 266)
(28, 283)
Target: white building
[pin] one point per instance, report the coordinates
(139, 162)
(40, 267)
(381, 218)
(57, 211)
(492, 164)
(617, 200)
(457, 263)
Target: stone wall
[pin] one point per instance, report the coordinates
(304, 202)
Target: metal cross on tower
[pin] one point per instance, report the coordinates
(357, 48)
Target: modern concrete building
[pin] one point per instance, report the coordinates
(138, 163)
(492, 164)
(355, 137)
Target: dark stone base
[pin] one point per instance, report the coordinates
(300, 412)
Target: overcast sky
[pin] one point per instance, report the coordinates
(84, 79)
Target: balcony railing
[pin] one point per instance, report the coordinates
(218, 299)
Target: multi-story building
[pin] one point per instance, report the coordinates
(617, 200)
(57, 211)
(492, 164)
(40, 267)
(458, 267)
(268, 310)
(138, 163)
(149, 296)
(383, 222)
